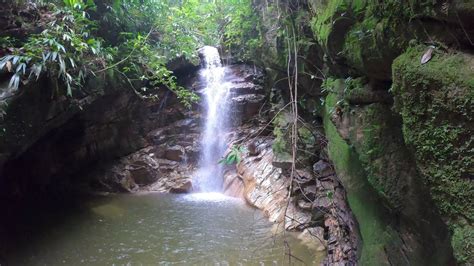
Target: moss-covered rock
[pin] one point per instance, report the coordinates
(436, 103)
(389, 172)
(363, 201)
(419, 170)
(307, 140)
(362, 37)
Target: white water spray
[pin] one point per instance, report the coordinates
(209, 176)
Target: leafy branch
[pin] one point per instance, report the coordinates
(234, 156)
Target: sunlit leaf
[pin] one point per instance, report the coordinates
(14, 82)
(427, 55)
(9, 66)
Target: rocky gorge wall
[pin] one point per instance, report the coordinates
(111, 140)
(312, 204)
(394, 82)
(388, 178)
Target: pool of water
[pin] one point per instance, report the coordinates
(151, 229)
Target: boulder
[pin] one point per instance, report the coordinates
(296, 220)
(246, 106)
(142, 173)
(245, 88)
(304, 205)
(313, 237)
(174, 153)
(185, 187)
(322, 169)
(282, 160)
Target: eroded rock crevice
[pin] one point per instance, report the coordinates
(316, 208)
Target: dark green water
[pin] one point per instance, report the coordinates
(151, 229)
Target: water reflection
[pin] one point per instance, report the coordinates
(151, 229)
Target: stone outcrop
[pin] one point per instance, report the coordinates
(398, 131)
(110, 139)
(363, 43)
(57, 137)
(436, 103)
(246, 91)
(389, 169)
(171, 154)
(316, 208)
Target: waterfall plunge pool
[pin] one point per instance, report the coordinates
(149, 229)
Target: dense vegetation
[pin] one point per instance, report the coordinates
(352, 64)
(132, 39)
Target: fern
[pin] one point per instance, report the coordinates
(234, 156)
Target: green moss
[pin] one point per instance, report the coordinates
(306, 139)
(443, 69)
(463, 243)
(436, 103)
(332, 85)
(306, 136)
(322, 22)
(375, 232)
(374, 41)
(368, 35)
(326, 15)
(280, 144)
(370, 130)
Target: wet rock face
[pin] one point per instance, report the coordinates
(385, 169)
(316, 208)
(171, 151)
(128, 173)
(246, 92)
(166, 164)
(57, 139)
(436, 103)
(184, 187)
(174, 153)
(110, 139)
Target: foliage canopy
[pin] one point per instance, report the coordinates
(134, 38)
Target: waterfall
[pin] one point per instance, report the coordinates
(213, 144)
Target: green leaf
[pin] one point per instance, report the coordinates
(232, 158)
(61, 48)
(14, 82)
(36, 69)
(68, 78)
(72, 62)
(54, 55)
(116, 5)
(4, 61)
(62, 65)
(46, 56)
(15, 59)
(69, 90)
(21, 68)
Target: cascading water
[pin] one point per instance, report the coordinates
(208, 177)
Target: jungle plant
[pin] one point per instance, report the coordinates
(73, 46)
(58, 51)
(234, 156)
